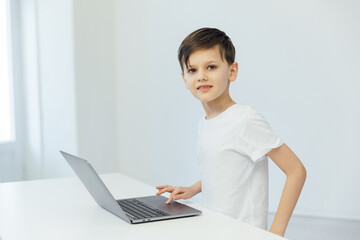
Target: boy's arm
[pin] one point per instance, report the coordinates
(197, 187)
(295, 172)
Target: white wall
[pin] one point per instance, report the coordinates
(47, 47)
(69, 85)
(298, 65)
(94, 50)
(57, 85)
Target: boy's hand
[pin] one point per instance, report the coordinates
(176, 192)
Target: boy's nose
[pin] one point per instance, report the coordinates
(201, 76)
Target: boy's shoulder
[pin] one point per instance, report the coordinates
(245, 114)
(249, 113)
(243, 109)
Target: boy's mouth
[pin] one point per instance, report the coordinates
(204, 88)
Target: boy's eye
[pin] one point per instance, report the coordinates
(192, 70)
(211, 67)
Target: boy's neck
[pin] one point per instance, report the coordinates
(214, 108)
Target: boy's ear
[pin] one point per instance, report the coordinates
(183, 77)
(234, 68)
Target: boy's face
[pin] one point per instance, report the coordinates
(208, 76)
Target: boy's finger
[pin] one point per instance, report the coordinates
(160, 192)
(179, 196)
(169, 200)
(174, 193)
(163, 191)
(163, 186)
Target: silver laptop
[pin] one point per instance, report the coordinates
(132, 210)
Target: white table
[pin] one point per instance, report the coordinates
(63, 209)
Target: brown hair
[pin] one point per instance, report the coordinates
(205, 38)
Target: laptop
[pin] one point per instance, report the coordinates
(132, 210)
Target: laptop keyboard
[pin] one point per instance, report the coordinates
(138, 210)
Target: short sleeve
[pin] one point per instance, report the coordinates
(256, 137)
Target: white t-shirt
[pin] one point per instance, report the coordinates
(234, 167)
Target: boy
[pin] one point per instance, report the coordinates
(234, 140)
